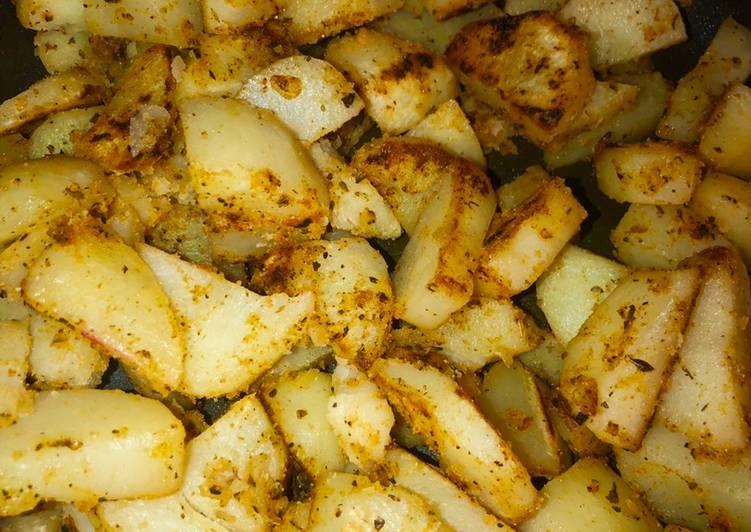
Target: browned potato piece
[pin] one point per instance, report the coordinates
(726, 141)
(443, 9)
(230, 16)
(50, 14)
(533, 66)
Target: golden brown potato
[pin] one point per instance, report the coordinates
(50, 14)
(231, 16)
(725, 142)
(15, 346)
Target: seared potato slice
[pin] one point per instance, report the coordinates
(522, 187)
(16, 258)
(63, 49)
(400, 81)
(164, 514)
(231, 16)
(533, 67)
(650, 173)
(617, 363)
(527, 239)
(50, 14)
(15, 345)
(470, 451)
(578, 437)
(97, 431)
(726, 139)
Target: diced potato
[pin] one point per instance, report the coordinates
(470, 451)
(49, 520)
(50, 14)
(573, 286)
(43, 455)
(18, 256)
(308, 22)
(726, 139)
(449, 127)
(307, 94)
(444, 9)
(61, 358)
(727, 60)
(533, 67)
(708, 397)
(517, 7)
(357, 205)
(482, 331)
(577, 436)
(351, 502)
(527, 240)
(726, 201)
(608, 99)
(522, 188)
(107, 292)
(295, 517)
(590, 496)
(545, 360)
(15, 345)
(253, 192)
(494, 129)
(623, 31)
(360, 416)
(232, 336)
(165, 514)
(423, 28)
(236, 469)
(686, 488)
(650, 173)
(400, 81)
(621, 357)
(298, 404)
(230, 16)
(352, 289)
(174, 22)
(510, 398)
(53, 136)
(13, 149)
(660, 236)
(60, 50)
(451, 504)
(59, 92)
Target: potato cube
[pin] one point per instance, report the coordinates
(231, 16)
(63, 49)
(522, 188)
(43, 15)
(726, 140)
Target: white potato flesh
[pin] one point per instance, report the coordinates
(622, 31)
(360, 416)
(50, 14)
(309, 95)
(165, 514)
(230, 16)
(15, 345)
(236, 468)
(708, 397)
(61, 357)
(521, 188)
(18, 256)
(727, 60)
(357, 205)
(107, 292)
(517, 7)
(452, 505)
(400, 81)
(59, 50)
(545, 360)
(726, 200)
(351, 502)
(527, 240)
(470, 450)
(53, 137)
(298, 404)
(571, 288)
(661, 236)
(59, 92)
(726, 139)
(616, 365)
(650, 173)
(83, 445)
(511, 400)
(232, 335)
(590, 496)
(174, 22)
(252, 189)
(295, 517)
(449, 127)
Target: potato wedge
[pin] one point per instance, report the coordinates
(617, 363)
(578, 437)
(230, 16)
(726, 139)
(165, 514)
(545, 360)
(522, 187)
(43, 455)
(470, 451)
(15, 344)
(107, 292)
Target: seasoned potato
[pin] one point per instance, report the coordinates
(573, 286)
(660, 236)
(18, 256)
(53, 136)
(43, 455)
(649, 173)
(50, 14)
(183, 232)
(577, 436)
(444, 9)
(591, 496)
(13, 149)
(400, 81)
(164, 514)
(307, 94)
(494, 129)
(59, 92)
(545, 360)
(727, 60)
(108, 293)
(63, 49)
(522, 187)
(608, 99)
(517, 7)
(708, 397)
(526, 240)
(295, 517)
(726, 139)
(230, 16)
(621, 357)
(470, 451)
(15, 345)
(232, 336)
(533, 67)
(49, 520)
(623, 31)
